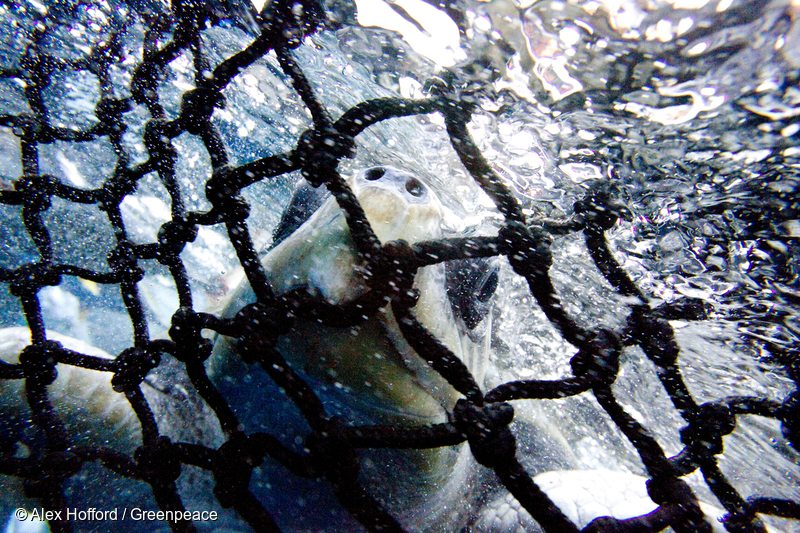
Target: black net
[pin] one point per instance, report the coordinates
(481, 418)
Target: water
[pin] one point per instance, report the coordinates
(687, 109)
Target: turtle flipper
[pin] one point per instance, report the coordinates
(582, 495)
(471, 283)
(15, 525)
(81, 396)
(504, 514)
(305, 201)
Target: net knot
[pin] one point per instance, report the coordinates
(33, 276)
(158, 462)
(290, 21)
(684, 309)
(37, 191)
(331, 454)
(599, 209)
(710, 423)
(109, 114)
(122, 261)
(790, 419)
(319, 152)
(664, 490)
(185, 332)
(486, 429)
(232, 467)
(262, 324)
(39, 362)
(197, 107)
(456, 97)
(598, 359)
(158, 141)
(113, 190)
(172, 237)
(655, 335)
(38, 65)
(31, 128)
(225, 196)
(397, 268)
(527, 248)
(673, 492)
(132, 365)
(144, 82)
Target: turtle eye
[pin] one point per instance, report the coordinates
(374, 173)
(414, 187)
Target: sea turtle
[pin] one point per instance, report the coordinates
(363, 374)
(367, 373)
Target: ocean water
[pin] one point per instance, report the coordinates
(688, 111)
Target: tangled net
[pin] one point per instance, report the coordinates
(480, 418)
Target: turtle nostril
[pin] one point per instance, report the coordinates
(374, 173)
(414, 187)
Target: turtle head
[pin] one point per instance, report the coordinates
(398, 205)
(313, 243)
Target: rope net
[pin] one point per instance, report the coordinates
(481, 418)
